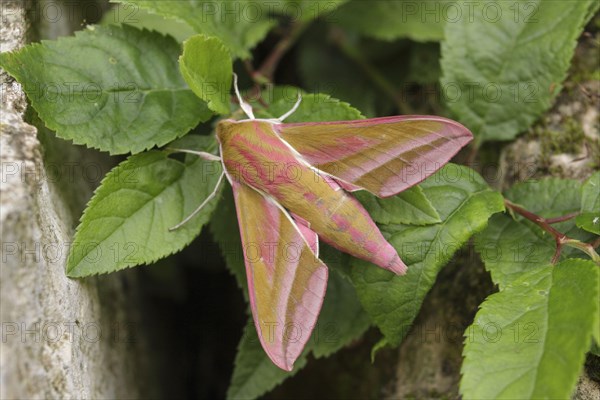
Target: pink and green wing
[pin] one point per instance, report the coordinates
(382, 155)
(286, 280)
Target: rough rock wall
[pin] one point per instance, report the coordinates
(61, 338)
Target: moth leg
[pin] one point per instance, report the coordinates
(202, 154)
(201, 206)
(247, 108)
(293, 110)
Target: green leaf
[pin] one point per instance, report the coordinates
(590, 205)
(314, 108)
(380, 345)
(410, 207)
(131, 14)
(335, 260)
(530, 339)
(464, 203)
(548, 197)
(206, 67)
(502, 68)
(272, 94)
(510, 247)
(342, 319)
(589, 222)
(596, 323)
(590, 194)
(113, 88)
(420, 20)
(127, 221)
(240, 24)
(595, 350)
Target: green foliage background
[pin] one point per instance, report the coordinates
(164, 78)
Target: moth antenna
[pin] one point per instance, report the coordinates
(202, 154)
(247, 108)
(201, 206)
(293, 110)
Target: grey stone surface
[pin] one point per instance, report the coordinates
(61, 338)
(587, 388)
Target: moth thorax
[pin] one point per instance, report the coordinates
(225, 129)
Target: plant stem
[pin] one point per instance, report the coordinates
(559, 237)
(264, 75)
(563, 218)
(267, 69)
(587, 248)
(541, 221)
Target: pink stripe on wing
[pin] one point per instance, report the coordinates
(422, 169)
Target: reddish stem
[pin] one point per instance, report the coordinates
(563, 218)
(559, 237)
(267, 69)
(264, 75)
(541, 221)
(556, 256)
